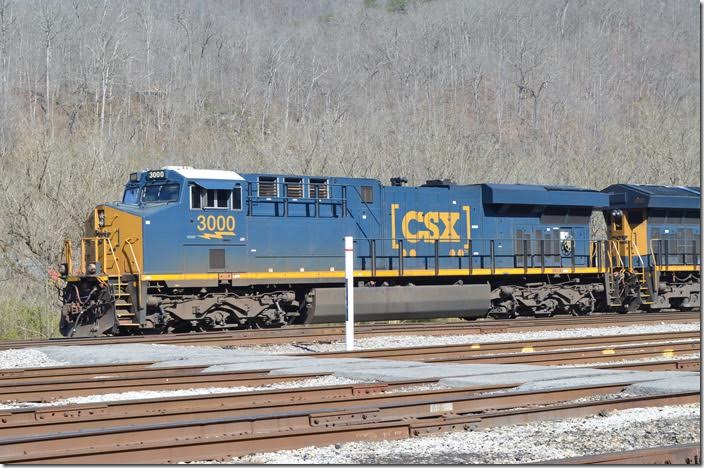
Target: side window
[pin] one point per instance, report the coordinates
(318, 188)
(268, 187)
(237, 198)
(196, 197)
(216, 199)
(294, 187)
(367, 194)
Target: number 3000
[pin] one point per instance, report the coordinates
(216, 223)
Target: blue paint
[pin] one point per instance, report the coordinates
(275, 232)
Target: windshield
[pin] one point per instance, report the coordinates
(160, 193)
(131, 196)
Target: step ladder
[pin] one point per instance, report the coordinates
(646, 285)
(123, 302)
(614, 290)
(613, 278)
(122, 294)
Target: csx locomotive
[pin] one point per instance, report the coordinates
(190, 250)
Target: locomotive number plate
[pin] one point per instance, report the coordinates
(216, 227)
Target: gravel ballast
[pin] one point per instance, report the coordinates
(616, 431)
(24, 358)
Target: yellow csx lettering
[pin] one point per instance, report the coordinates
(419, 226)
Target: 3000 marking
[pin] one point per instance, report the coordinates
(219, 223)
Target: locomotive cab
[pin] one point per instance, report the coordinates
(106, 275)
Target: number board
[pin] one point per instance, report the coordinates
(155, 175)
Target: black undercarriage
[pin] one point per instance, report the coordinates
(94, 307)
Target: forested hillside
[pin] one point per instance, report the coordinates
(543, 91)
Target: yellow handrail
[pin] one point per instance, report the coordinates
(642, 264)
(134, 257)
(114, 257)
(68, 256)
(618, 255)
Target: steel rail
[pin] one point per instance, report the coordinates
(365, 409)
(308, 333)
(504, 346)
(574, 356)
(384, 404)
(78, 374)
(227, 437)
(37, 391)
(673, 365)
(685, 454)
(72, 370)
(256, 398)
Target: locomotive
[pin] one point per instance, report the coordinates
(195, 250)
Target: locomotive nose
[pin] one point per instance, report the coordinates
(99, 286)
(111, 243)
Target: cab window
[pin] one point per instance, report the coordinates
(196, 197)
(131, 196)
(237, 198)
(160, 193)
(216, 199)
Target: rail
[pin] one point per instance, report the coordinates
(319, 196)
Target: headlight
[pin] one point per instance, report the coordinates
(101, 218)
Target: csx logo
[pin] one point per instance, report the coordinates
(429, 226)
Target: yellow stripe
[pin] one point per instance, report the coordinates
(361, 274)
(678, 268)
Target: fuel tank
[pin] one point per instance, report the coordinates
(400, 302)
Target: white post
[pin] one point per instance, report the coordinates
(349, 293)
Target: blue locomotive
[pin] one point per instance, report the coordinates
(189, 249)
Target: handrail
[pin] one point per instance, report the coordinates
(618, 254)
(114, 257)
(68, 256)
(134, 257)
(642, 264)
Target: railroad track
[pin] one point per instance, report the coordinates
(29, 421)
(191, 435)
(45, 384)
(686, 454)
(317, 333)
(221, 425)
(613, 345)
